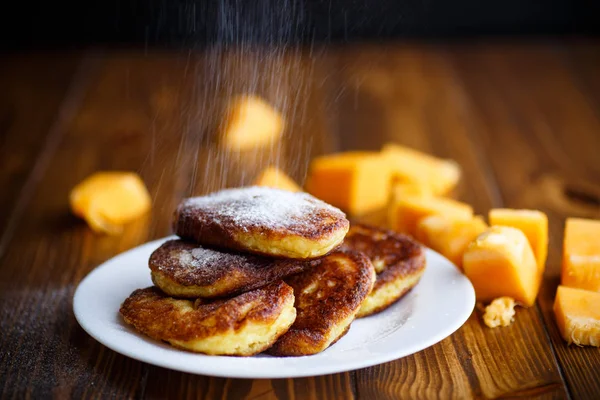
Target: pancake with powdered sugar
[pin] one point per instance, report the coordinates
(185, 269)
(263, 221)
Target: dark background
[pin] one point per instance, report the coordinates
(172, 23)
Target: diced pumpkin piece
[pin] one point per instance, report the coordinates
(534, 225)
(275, 178)
(577, 313)
(402, 189)
(356, 182)
(250, 122)
(108, 200)
(448, 236)
(500, 312)
(406, 212)
(409, 165)
(581, 254)
(500, 262)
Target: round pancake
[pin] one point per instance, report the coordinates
(327, 300)
(184, 269)
(240, 326)
(262, 220)
(398, 260)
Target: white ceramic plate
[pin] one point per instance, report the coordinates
(434, 309)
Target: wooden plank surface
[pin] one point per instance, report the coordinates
(547, 146)
(522, 121)
(35, 89)
(440, 124)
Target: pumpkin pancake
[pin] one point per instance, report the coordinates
(327, 300)
(241, 326)
(262, 220)
(184, 269)
(398, 260)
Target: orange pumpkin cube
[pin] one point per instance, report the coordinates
(534, 225)
(108, 200)
(275, 178)
(577, 313)
(356, 182)
(250, 122)
(406, 212)
(401, 189)
(449, 237)
(409, 165)
(500, 262)
(581, 254)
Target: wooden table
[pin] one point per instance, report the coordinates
(523, 120)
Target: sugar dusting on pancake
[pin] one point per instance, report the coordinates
(186, 269)
(261, 206)
(262, 220)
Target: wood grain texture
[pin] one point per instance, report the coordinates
(53, 251)
(522, 120)
(34, 89)
(442, 125)
(549, 156)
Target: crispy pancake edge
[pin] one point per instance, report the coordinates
(164, 318)
(409, 268)
(232, 274)
(406, 284)
(325, 234)
(314, 329)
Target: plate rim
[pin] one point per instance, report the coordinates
(324, 369)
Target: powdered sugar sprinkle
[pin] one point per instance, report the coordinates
(200, 257)
(260, 206)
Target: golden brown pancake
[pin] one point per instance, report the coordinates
(327, 300)
(398, 260)
(184, 269)
(240, 326)
(262, 220)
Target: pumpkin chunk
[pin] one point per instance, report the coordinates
(406, 212)
(356, 182)
(409, 165)
(275, 178)
(581, 254)
(500, 262)
(577, 313)
(450, 237)
(401, 189)
(108, 200)
(534, 225)
(250, 122)
(500, 312)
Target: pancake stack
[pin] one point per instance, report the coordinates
(261, 269)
